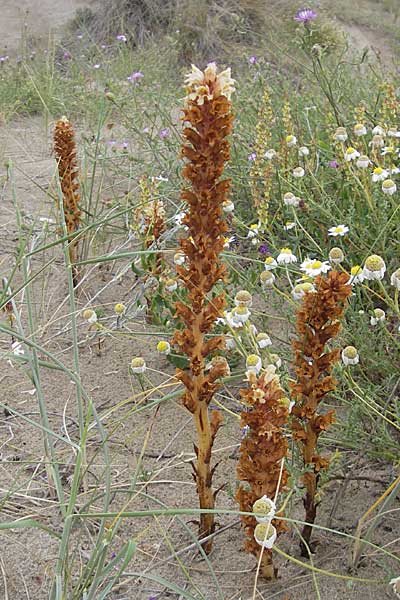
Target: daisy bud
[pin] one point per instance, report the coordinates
(138, 365)
(340, 134)
(265, 535)
(253, 363)
(336, 256)
(240, 314)
(119, 309)
(350, 356)
(265, 509)
(374, 267)
(243, 298)
(304, 151)
(395, 279)
(363, 162)
(89, 315)
(263, 340)
(163, 347)
(267, 279)
(378, 316)
(298, 172)
(291, 140)
(359, 130)
(290, 199)
(389, 187)
(171, 285)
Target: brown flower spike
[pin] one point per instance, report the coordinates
(318, 322)
(65, 151)
(209, 122)
(262, 452)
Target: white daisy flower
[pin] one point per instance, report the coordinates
(253, 364)
(289, 225)
(240, 314)
(359, 130)
(340, 134)
(291, 140)
(138, 365)
(270, 263)
(350, 356)
(378, 130)
(379, 174)
(363, 162)
(338, 230)
(228, 241)
(377, 141)
(230, 342)
(231, 322)
(90, 316)
(179, 217)
(304, 151)
(314, 267)
(374, 267)
(253, 230)
(393, 132)
(389, 187)
(298, 172)
(395, 583)
(17, 349)
(263, 340)
(378, 316)
(387, 150)
(265, 508)
(356, 275)
(301, 289)
(290, 199)
(171, 285)
(270, 154)
(267, 279)
(286, 257)
(228, 206)
(265, 535)
(351, 154)
(395, 279)
(179, 258)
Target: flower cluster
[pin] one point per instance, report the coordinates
(65, 151)
(318, 322)
(206, 149)
(261, 464)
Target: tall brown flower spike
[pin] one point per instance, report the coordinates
(262, 452)
(209, 122)
(65, 151)
(318, 322)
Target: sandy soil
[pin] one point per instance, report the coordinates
(37, 18)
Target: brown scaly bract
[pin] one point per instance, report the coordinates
(262, 451)
(318, 322)
(209, 122)
(65, 151)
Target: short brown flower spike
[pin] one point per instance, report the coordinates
(209, 122)
(65, 151)
(318, 322)
(261, 464)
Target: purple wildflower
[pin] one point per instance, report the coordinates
(264, 249)
(136, 76)
(122, 38)
(67, 55)
(305, 15)
(252, 156)
(333, 164)
(253, 60)
(164, 133)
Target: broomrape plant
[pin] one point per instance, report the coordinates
(318, 322)
(65, 151)
(209, 122)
